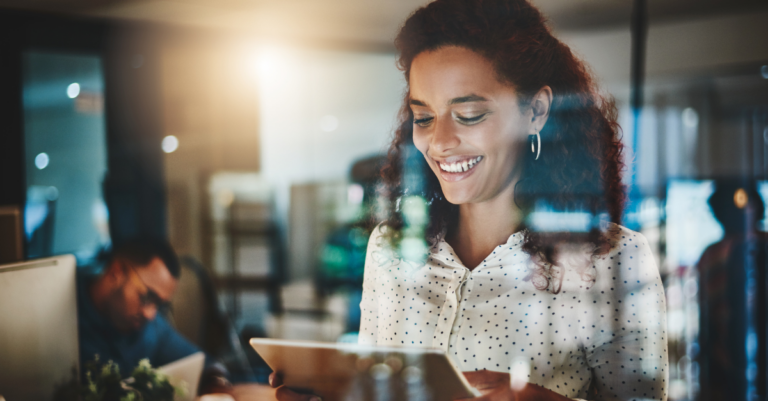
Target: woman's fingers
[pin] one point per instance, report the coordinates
(487, 381)
(284, 394)
(275, 380)
(494, 386)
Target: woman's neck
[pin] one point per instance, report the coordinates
(482, 227)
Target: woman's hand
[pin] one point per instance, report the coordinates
(496, 386)
(284, 394)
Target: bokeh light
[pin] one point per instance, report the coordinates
(73, 90)
(42, 160)
(170, 144)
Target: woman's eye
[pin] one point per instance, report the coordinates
(423, 122)
(471, 120)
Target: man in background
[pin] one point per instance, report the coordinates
(728, 304)
(121, 310)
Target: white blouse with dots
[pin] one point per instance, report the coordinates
(606, 327)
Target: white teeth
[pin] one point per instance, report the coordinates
(461, 166)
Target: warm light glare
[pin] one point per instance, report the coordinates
(170, 144)
(73, 90)
(268, 61)
(740, 198)
(329, 123)
(42, 160)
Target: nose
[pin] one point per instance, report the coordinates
(444, 136)
(149, 312)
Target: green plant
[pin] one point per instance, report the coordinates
(103, 382)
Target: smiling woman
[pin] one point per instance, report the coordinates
(508, 121)
(561, 147)
(501, 120)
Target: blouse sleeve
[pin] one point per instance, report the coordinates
(627, 351)
(369, 309)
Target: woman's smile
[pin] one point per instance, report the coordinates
(457, 168)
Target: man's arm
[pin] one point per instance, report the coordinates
(171, 345)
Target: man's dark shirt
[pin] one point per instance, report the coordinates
(157, 340)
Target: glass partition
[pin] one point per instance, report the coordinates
(66, 157)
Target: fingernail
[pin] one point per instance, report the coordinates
(271, 379)
(315, 399)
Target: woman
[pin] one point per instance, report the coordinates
(511, 128)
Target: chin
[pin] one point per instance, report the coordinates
(456, 197)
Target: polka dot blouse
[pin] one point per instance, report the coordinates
(604, 329)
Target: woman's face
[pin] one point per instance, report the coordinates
(467, 124)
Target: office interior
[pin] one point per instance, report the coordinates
(251, 134)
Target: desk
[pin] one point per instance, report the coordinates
(253, 392)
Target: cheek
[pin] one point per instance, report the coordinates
(421, 141)
(130, 301)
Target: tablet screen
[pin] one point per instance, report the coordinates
(337, 371)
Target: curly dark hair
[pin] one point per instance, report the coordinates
(581, 163)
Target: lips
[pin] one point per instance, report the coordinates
(458, 168)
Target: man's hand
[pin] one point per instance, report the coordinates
(213, 380)
(284, 394)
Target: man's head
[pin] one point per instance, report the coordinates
(139, 280)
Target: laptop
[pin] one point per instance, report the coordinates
(38, 328)
(185, 373)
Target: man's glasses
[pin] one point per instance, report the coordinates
(148, 296)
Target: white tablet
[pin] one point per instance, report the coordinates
(338, 371)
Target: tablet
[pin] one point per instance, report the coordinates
(339, 371)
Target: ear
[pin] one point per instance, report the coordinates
(540, 104)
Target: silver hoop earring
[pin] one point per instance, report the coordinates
(535, 140)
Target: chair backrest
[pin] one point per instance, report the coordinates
(196, 315)
(190, 306)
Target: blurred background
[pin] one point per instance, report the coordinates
(250, 133)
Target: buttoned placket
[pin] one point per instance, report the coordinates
(450, 310)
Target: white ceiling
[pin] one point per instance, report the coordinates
(368, 22)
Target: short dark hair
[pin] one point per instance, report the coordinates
(141, 252)
(732, 217)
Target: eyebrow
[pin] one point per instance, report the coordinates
(456, 100)
(467, 99)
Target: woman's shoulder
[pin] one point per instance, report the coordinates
(378, 237)
(626, 242)
(380, 252)
(630, 260)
